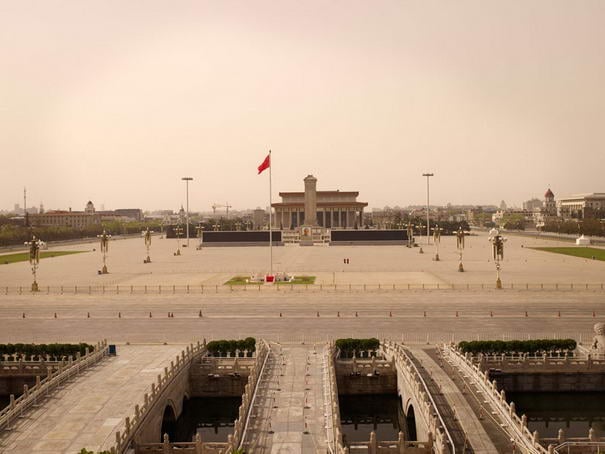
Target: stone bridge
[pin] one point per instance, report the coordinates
(193, 373)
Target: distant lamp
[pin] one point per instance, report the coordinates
(178, 231)
(34, 259)
(460, 240)
(497, 241)
(104, 238)
(437, 240)
(147, 238)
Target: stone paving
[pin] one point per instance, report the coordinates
(368, 264)
(87, 412)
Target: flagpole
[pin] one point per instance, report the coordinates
(270, 219)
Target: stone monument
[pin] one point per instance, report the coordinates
(310, 221)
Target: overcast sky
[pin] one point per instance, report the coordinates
(115, 101)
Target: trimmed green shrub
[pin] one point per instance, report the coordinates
(347, 346)
(57, 350)
(518, 346)
(223, 346)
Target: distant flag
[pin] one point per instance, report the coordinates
(265, 165)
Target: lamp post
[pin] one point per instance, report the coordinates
(428, 233)
(178, 231)
(147, 237)
(497, 241)
(34, 259)
(216, 227)
(420, 230)
(104, 237)
(187, 180)
(437, 240)
(460, 235)
(410, 229)
(200, 232)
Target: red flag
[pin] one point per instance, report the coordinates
(265, 165)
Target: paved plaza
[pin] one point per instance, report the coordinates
(370, 265)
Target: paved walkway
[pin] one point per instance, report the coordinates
(87, 412)
(288, 413)
(467, 419)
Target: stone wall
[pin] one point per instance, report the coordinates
(549, 381)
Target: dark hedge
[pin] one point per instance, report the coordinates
(223, 346)
(45, 349)
(518, 346)
(347, 346)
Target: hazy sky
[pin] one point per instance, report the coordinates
(115, 101)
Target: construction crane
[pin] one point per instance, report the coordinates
(226, 207)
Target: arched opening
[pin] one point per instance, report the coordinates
(168, 423)
(410, 423)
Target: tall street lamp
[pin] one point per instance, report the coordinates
(428, 230)
(187, 180)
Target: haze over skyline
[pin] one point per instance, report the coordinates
(116, 101)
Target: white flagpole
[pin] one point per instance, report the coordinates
(270, 219)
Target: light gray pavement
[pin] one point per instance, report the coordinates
(288, 412)
(87, 412)
(450, 315)
(370, 265)
(474, 430)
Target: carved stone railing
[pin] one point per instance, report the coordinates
(440, 441)
(400, 446)
(332, 409)
(56, 376)
(515, 426)
(568, 360)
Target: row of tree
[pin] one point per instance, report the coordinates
(56, 350)
(518, 346)
(592, 227)
(350, 345)
(222, 347)
(11, 234)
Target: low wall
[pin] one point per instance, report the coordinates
(241, 238)
(549, 381)
(370, 376)
(368, 237)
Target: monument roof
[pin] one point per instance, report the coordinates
(548, 194)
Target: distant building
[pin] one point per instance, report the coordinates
(74, 219)
(550, 206)
(533, 204)
(81, 219)
(329, 209)
(582, 206)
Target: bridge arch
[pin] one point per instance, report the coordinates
(168, 421)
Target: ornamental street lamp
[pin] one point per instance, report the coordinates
(410, 229)
(34, 259)
(200, 232)
(178, 231)
(420, 230)
(147, 237)
(460, 235)
(437, 240)
(216, 227)
(497, 241)
(104, 237)
(187, 180)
